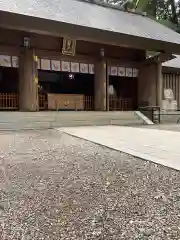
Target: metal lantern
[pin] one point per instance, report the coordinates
(26, 42)
(102, 52)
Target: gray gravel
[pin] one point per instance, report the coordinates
(54, 186)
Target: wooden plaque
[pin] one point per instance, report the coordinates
(69, 46)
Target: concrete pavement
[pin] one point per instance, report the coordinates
(159, 146)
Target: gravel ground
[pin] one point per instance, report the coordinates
(54, 186)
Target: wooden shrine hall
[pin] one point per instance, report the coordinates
(76, 55)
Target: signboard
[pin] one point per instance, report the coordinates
(69, 46)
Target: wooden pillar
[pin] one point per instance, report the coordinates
(178, 87)
(107, 88)
(100, 86)
(159, 84)
(150, 84)
(28, 81)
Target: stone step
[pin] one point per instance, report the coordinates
(8, 121)
(170, 117)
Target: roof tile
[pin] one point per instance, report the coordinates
(93, 16)
(174, 63)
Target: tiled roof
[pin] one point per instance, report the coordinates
(174, 63)
(92, 16)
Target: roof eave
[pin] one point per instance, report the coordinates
(167, 69)
(50, 27)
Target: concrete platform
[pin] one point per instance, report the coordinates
(159, 146)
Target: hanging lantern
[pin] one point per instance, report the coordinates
(26, 42)
(102, 52)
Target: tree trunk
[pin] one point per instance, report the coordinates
(173, 9)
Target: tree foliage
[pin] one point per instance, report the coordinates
(166, 12)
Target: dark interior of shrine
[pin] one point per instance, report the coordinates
(66, 83)
(125, 88)
(9, 80)
(51, 82)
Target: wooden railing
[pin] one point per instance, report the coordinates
(88, 103)
(120, 104)
(43, 105)
(9, 101)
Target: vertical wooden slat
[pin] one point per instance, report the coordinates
(164, 83)
(174, 79)
(167, 80)
(178, 87)
(170, 81)
(177, 90)
(172, 84)
(166, 77)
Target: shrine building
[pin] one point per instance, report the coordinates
(76, 55)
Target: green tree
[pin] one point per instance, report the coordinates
(167, 12)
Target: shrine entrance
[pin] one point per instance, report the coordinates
(66, 91)
(125, 97)
(9, 88)
(123, 89)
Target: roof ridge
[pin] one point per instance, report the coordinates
(116, 7)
